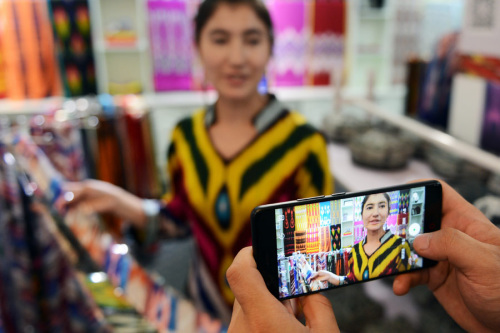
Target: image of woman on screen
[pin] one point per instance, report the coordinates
(380, 253)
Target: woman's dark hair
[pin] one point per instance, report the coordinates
(365, 199)
(208, 7)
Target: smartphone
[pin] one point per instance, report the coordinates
(314, 244)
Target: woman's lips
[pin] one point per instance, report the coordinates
(236, 79)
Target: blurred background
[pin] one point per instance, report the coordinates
(402, 89)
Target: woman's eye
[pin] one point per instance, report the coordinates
(220, 41)
(253, 41)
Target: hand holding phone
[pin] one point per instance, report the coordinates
(465, 281)
(313, 244)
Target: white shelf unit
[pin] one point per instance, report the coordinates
(124, 64)
(369, 45)
(347, 223)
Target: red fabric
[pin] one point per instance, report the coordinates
(329, 17)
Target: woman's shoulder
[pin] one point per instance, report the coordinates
(300, 123)
(187, 122)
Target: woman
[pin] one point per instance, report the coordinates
(380, 253)
(244, 151)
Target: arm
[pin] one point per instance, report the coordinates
(167, 221)
(102, 197)
(465, 281)
(327, 276)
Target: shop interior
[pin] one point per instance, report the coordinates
(401, 89)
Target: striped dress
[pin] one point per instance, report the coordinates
(215, 196)
(392, 256)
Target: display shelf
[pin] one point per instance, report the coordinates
(29, 106)
(436, 137)
(131, 50)
(139, 46)
(370, 44)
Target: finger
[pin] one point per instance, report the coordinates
(238, 320)
(461, 250)
(459, 214)
(319, 313)
(289, 306)
(261, 311)
(249, 287)
(236, 308)
(404, 282)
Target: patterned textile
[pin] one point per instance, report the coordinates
(44, 293)
(328, 40)
(27, 45)
(289, 230)
(490, 136)
(312, 245)
(287, 160)
(290, 48)
(335, 235)
(171, 44)
(71, 24)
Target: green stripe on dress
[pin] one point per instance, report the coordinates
(313, 165)
(186, 127)
(259, 168)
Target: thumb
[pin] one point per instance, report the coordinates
(319, 313)
(461, 250)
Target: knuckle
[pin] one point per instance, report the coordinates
(233, 274)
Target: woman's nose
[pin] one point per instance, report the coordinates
(236, 54)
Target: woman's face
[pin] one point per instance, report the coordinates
(234, 48)
(375, 212)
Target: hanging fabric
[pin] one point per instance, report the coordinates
(44, 294)
(161, 305)
(290, 29)
(28, 47)
(170, 34)
(71, 24)
(328, 38)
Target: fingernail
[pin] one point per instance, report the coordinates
(69, 196)
(422, 241)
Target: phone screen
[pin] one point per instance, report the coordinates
(332, 243)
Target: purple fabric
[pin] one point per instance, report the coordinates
(289, 54)
(490, 138)
(171, 44)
